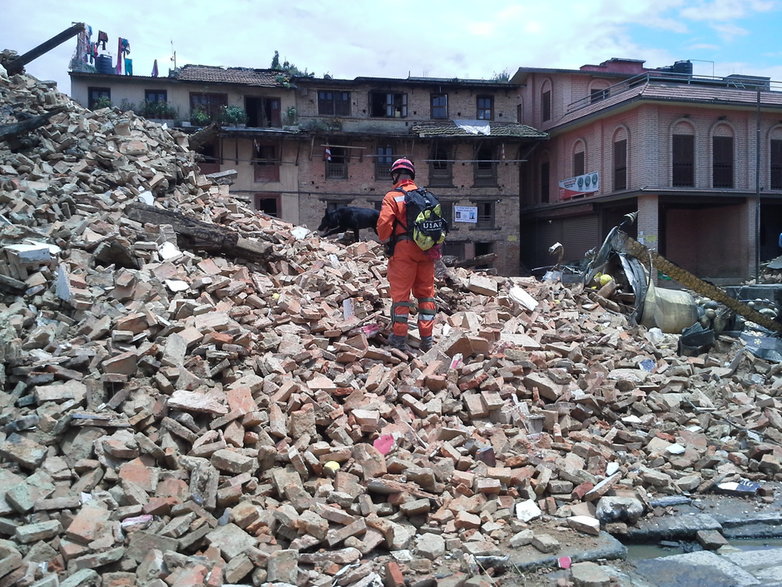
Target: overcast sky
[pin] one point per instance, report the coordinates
(455, 38)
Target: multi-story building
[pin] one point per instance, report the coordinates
(263, 148)
(312, 143)
(463, 136)
(700, 159)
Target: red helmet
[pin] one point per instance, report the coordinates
(401, 164)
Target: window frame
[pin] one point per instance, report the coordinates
(438, 111)
(259, 197)
(334, 103)
(775, 164)
(266, 168)
(156, 96)
(545, 105)
(682, 160)
(484, 107)
(723, 162)
(487, 214)
(391, 104)
(384, 157)
(485, 166)
(620, 165)
(95, 93)
(440, 165)
(579, 163)
(209, 102)
(337, 167)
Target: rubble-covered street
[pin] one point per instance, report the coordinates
(176, 416)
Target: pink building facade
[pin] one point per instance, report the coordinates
(699, 158)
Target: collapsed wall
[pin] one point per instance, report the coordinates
(175, 414)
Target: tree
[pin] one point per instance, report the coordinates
(503, 76)
(288, 68)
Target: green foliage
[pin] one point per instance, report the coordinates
(158, 109)
(127, 106)
(322, 125)
(102, 102)
(291, 116)
(232, 115)
(199, 117)
(288, 68)
(503, 76)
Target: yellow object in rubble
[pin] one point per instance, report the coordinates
(332, 466)
(604, 278)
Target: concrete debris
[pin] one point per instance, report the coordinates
(171, 415)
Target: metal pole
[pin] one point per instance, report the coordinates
(757, 189)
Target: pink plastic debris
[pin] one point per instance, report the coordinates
(564, 562)
(384, 443)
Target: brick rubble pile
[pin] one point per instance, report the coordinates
(175, 417)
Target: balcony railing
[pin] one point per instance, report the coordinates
(730, 82)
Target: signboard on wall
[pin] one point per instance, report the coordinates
(580, 185)
(468, 214)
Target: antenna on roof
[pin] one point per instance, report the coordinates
(173, 53)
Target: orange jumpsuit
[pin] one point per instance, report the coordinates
(409, 269)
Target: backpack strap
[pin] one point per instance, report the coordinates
(404, 192)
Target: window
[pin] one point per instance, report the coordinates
(387, 105)
(383, 161)
(440, 165)
(155, 95)
(545, 104)
(683, 160)
(268, 204)
(337, 163)
(485, 166)
(598, 94)
(266, 163)
(453, 248)
(263, 112)
(210, 157)
(446, 208)
(208, 103)
(100, 97)
(485, 108)
(722, 162)
(439, 105)
(485, 214)
(333, 103)
(620, 165)
(578, 163)
(481, 249)
(545, 182)
(776, 164)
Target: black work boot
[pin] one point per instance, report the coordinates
(426, 343)
(398, 342)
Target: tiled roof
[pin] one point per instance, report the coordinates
(450, 128)
(265, 78)
(673, 92)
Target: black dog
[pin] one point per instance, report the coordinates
(348, 218)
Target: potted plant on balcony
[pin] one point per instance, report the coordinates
(158, 111)
(102, 102)
(200, 117)
(232, 116)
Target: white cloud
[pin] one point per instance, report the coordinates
(374, 38)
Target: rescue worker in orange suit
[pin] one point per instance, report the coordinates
(410, 269)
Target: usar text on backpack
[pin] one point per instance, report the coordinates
(425, 223)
